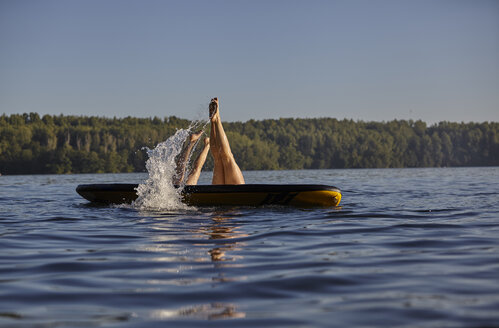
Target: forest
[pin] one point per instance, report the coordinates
(30, 144)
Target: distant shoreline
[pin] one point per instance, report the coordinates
(208, 171)
(30, 144)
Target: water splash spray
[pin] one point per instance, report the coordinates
(158, 191)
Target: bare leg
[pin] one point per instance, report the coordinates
(198, 164)
(218, 167)
(222, 154)
(184, 158)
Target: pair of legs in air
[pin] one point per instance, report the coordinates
(183, 159)
(225, 170)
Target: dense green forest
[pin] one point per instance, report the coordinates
(78, 144)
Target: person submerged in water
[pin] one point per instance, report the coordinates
(225, 170)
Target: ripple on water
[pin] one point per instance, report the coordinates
(382, 259)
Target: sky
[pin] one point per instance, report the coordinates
(370, 60)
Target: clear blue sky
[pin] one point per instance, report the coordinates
(362, 59)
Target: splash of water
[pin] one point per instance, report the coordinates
(158, 191)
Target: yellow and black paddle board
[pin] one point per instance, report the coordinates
(224, 195)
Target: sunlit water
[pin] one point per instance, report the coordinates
(408, 247)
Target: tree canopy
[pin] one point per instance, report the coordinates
(30, 144)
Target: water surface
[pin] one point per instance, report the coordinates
(407, 247)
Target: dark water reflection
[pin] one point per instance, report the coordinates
(407, 248)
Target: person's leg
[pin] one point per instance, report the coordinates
(184, 158)
(218, 168)
(231, 172)
(198, 164)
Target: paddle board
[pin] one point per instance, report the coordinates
(224, 195)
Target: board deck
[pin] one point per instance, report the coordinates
(224, 195)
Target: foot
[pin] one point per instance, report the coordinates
(214, 113)
(195, 136)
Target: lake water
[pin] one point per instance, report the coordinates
(407, 247)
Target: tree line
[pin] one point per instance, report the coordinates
(30, 144)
